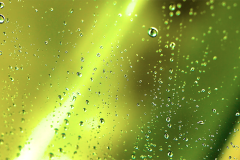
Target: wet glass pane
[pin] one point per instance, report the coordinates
(119, 79)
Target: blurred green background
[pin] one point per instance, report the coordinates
(82, 79)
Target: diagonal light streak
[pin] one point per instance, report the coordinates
(42, 134)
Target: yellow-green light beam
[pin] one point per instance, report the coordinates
(42, 133)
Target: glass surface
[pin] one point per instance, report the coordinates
(119, 79)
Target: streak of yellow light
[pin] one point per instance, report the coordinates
(231, 148)
(42, 134)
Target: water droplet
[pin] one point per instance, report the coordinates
(215, 58)
(152, 32)
(63, 135)
(170, 154)
(51, 9)
(64, 23)
(82, 59)
(20, 148)
(200, 122)
(223, 4)
(51, 155)
(168, 119)
(147, 135)
(237, 114)
(1, 141)
(192, 69)
(23, 112)
(166, 135)
(68, 114)
(172, 45)
(56, 131)
(171, 14)
(60, 97)
(172, 7)
(214, 110)
(179, 5)
(81, 123)
(71, 11)
(175, 139)
(79, 74)
(66, 121)
(74, 98)
(87, 102)
(2, 18)
(98, 54)
(133, 156)
(102, 120)
(115, 3)
(178, 13)
(79, 137)
(169, 125)
(1, 5)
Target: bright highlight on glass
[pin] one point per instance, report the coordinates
(131, 7)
